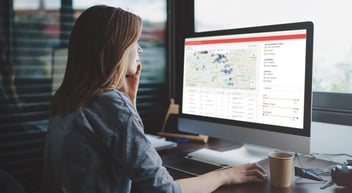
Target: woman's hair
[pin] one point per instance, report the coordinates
(97, 54)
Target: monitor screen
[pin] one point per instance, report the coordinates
(249, 84)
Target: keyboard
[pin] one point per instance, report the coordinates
(191, 167)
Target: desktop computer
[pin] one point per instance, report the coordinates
(250, 85)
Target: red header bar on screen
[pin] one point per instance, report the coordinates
(249, 39)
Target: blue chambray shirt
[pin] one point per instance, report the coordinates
(101, 149)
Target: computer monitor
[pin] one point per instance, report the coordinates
(251, 85)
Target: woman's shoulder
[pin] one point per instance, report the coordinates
(112, 97)
(109, 110)
(111, 102)
(113, 94)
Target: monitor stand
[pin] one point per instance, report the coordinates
(246, 153)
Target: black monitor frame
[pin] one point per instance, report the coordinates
(308, 82)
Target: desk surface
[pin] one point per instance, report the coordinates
(298, 184)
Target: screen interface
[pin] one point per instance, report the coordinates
(254, 77)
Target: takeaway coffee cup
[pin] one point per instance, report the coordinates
(280, 164)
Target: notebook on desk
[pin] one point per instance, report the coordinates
(160, 143)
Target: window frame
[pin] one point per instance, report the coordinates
(331, 107)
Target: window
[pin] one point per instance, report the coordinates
(332, 39)
(37, 50)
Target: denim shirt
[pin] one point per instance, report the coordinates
(102, 148)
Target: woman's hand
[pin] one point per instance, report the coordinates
(131, 83)
(209, 182)
(250, 172)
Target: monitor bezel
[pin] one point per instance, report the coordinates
(306, 25)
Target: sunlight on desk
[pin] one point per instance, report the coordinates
(247, 153)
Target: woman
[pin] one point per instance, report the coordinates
(95, 141)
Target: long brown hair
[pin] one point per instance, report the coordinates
(97, 52)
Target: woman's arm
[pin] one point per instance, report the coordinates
(209, 182)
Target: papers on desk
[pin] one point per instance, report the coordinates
(160, 143)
